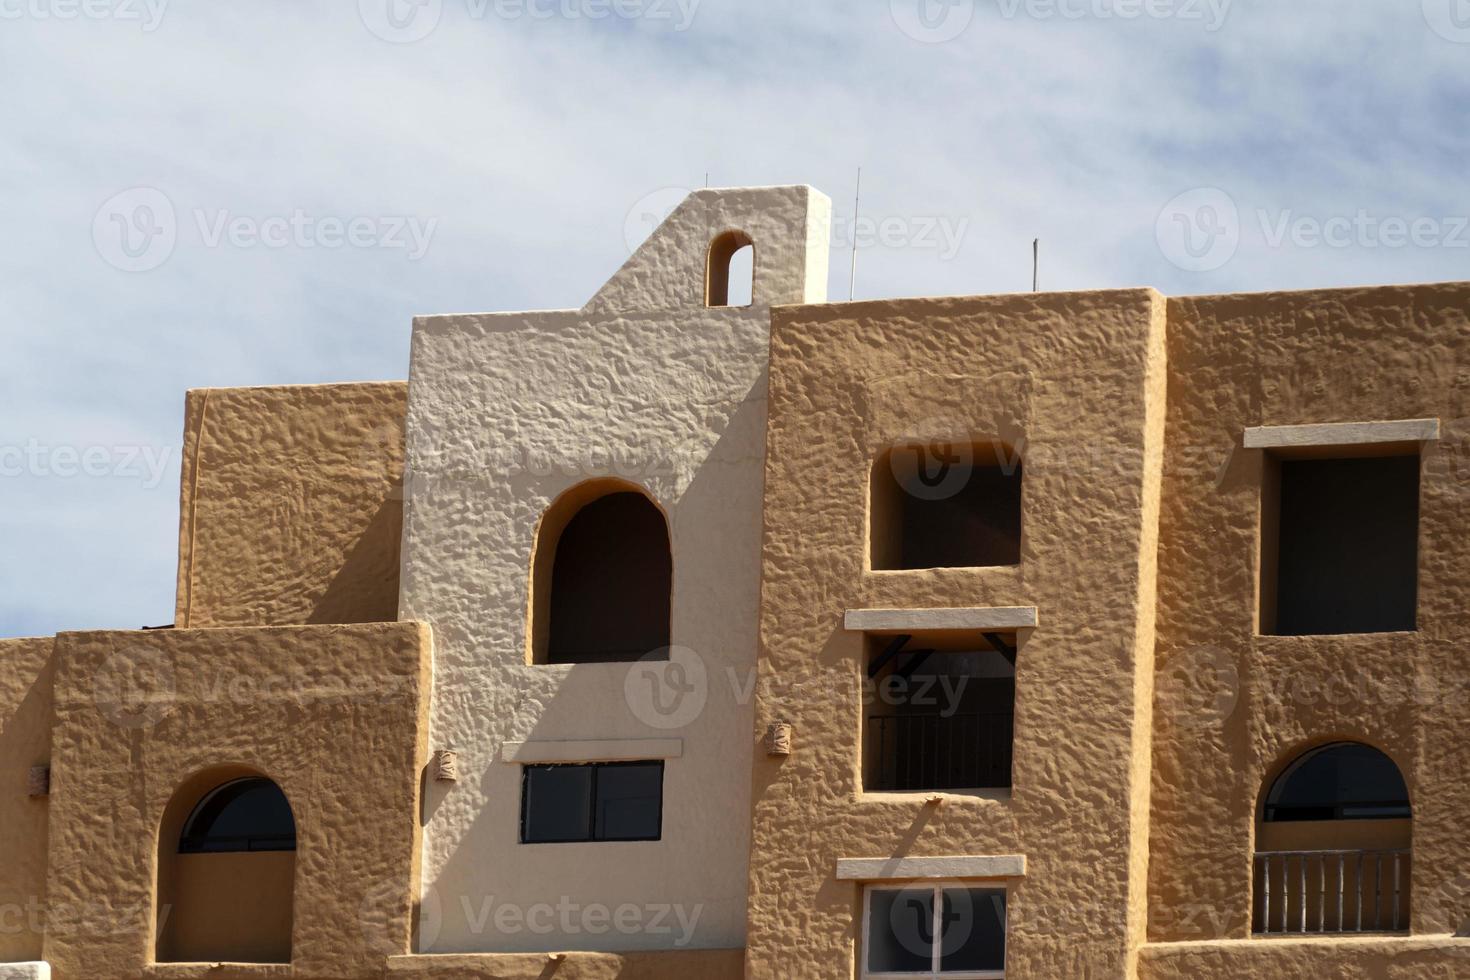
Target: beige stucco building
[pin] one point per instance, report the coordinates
(714, 630)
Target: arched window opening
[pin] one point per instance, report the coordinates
(1341, 781)
(248, 814)
(227, 871)
(602, 578)
(730, 270)
(1333, 844)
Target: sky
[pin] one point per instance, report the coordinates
(201, 195)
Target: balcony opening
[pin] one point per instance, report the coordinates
(1339, 545)
(729, 278)
(602, 577)
(939, 711)
(227, 871)
(1333, 845)
(945, 505)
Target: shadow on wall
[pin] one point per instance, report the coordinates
(365, 589)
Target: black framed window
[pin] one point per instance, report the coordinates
(604, 801)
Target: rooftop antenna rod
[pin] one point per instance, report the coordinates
(857, 196)
(1035, 262)
(706, 179)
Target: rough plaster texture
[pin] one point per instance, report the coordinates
(291, 505)
(1234, 706)
(1076, 380)
(335, 714)
(25, 741)
(506, 413)
(1334, 958)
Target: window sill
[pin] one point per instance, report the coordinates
(550, 751)
(216, 969)
(1335, 636)
(992, 618)
(978, 867)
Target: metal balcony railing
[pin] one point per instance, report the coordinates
(1331, 891)
(917, 752)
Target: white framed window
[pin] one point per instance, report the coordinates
(948, 930)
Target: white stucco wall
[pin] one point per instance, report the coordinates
(507, 411)
(25, 971)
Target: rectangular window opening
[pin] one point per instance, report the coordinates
(939, 711)
(942, 505)
(1339, 545)
(956, 933)
(604, 801)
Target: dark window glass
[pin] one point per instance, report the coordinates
(974, 925)
(612, 801)
(556, 804)
(1343, 781)
(249, 814)
(629, 802)
(1347, 552)
(901, 930)
(610, 583)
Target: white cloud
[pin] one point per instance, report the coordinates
(528, 140)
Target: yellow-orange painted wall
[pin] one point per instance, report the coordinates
(291, 505)
(1234, 706)
(25, 741)
(1077, 381)
(336, 715)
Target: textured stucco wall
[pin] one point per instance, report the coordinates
(1233, 706)
(335, 714)
(1076, 381)
(291, 505)
(507, 412)
(25, 741)
(1337, 958)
